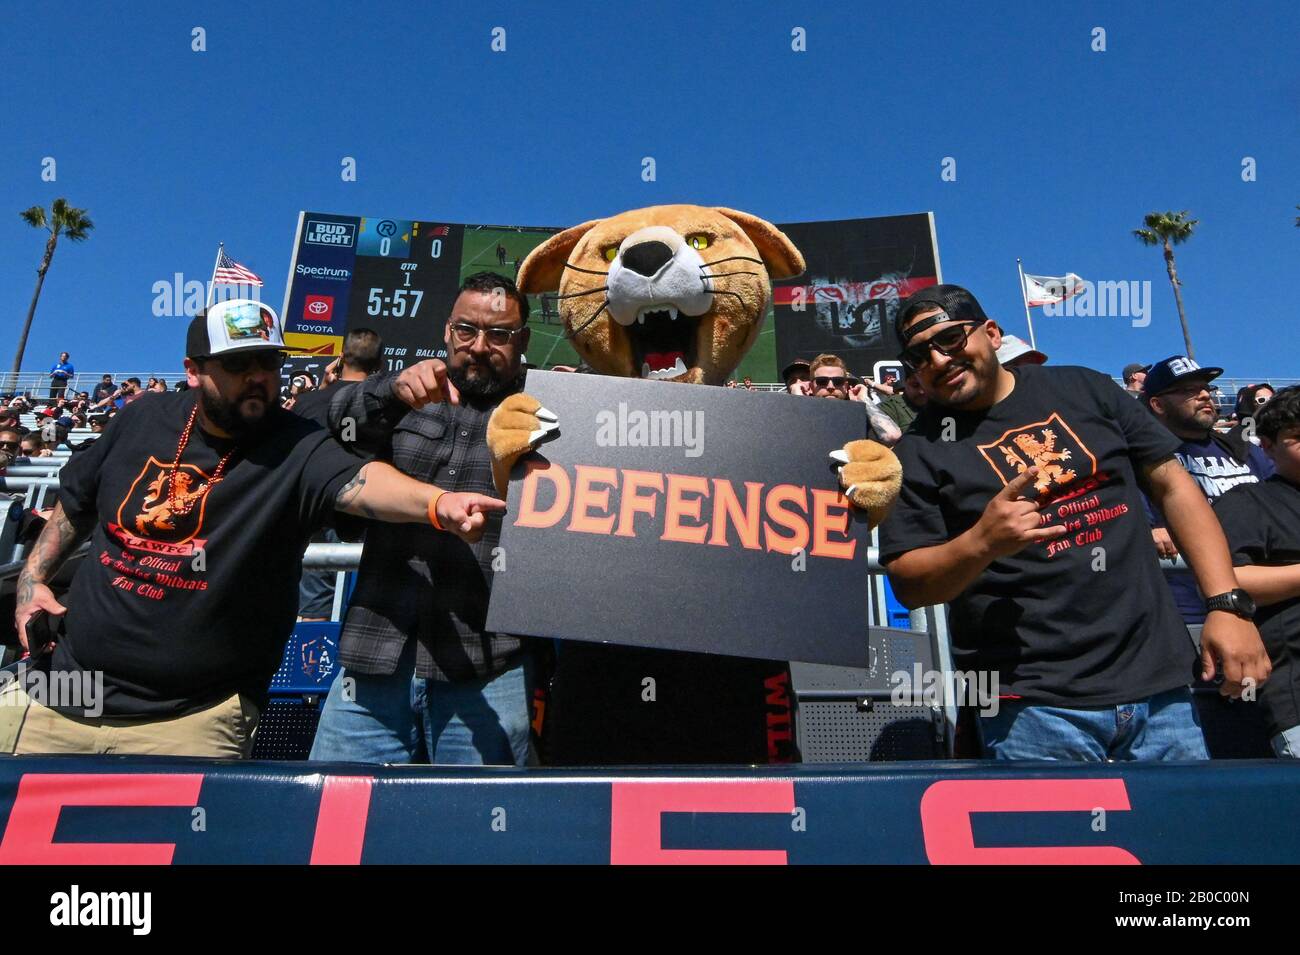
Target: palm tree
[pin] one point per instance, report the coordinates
(63, 220)
(1170, 229)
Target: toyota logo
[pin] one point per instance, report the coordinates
(387, 228)
(318, 308)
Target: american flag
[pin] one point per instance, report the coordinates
(230, 272)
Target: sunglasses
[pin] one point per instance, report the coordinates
(948, 342)
(466, 334)
(8, 444)
(239, 364)
(1261, 400)
(1193, 389)
(830, 381)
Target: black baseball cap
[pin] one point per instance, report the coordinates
(237, 325)
(794, 366)
(1164, 375)
(954, 302)
(1132, 369)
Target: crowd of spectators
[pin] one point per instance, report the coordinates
(955, 361)
(64, 411)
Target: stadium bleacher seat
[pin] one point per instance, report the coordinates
(309, 666)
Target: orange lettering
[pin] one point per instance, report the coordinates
(824, 522)
(677, 508)
(529, 515)
(633, 503)
(585, 498)
(790, 520)
(726, 506)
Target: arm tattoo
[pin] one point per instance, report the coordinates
(59, 537)
(347, 499)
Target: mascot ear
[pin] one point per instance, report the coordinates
(779, 254)
(541, 269)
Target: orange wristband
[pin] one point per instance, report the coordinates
(433, 508)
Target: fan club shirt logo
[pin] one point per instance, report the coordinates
(1067, 481)
(157, 528)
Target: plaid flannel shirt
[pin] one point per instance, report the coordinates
(414, 581)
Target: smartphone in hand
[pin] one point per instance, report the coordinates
(41, 634)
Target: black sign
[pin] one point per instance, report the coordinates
(686, 517)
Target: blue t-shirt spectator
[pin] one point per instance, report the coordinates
(63, 371)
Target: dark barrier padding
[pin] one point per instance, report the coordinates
(122, 810)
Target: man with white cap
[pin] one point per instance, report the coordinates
(198, 505)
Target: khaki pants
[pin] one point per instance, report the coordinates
(27, 727)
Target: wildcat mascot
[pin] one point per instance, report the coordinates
(671, 293)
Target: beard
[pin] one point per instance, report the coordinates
(476, 380)
(230, 417)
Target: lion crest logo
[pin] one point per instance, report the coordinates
(155, 510)
(1051, 446)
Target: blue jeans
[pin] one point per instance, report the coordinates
(1286, 744)
(403, 718)
(1161, 727)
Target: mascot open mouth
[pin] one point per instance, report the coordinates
(663, 341)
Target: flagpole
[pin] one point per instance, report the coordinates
(212, 285)
(1028, 321)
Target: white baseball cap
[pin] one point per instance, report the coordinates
(1014, 347)
(237, 325)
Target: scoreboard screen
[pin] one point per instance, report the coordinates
(396, 277)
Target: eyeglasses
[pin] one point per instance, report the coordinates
(948, 343)
(239, 364)
(830, 381)
(1193, 389)
(466, 334)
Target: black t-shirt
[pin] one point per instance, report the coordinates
(1088, 620)
(1262, 523)
(188, 593)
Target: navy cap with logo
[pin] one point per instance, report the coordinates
(955, 304)
(1166, 374)
(237, 325)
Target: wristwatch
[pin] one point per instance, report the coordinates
(1234, 601)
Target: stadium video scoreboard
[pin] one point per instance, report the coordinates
(398, 277)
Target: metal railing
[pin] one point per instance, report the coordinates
(38, 382)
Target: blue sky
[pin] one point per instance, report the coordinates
(1060, 150)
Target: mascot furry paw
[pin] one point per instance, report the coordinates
(668, 293)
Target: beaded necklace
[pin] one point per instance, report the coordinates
(179, 507)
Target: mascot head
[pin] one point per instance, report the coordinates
(675, 293)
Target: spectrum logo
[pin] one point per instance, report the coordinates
(341, 234)
(318, 308)
(323, 272)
